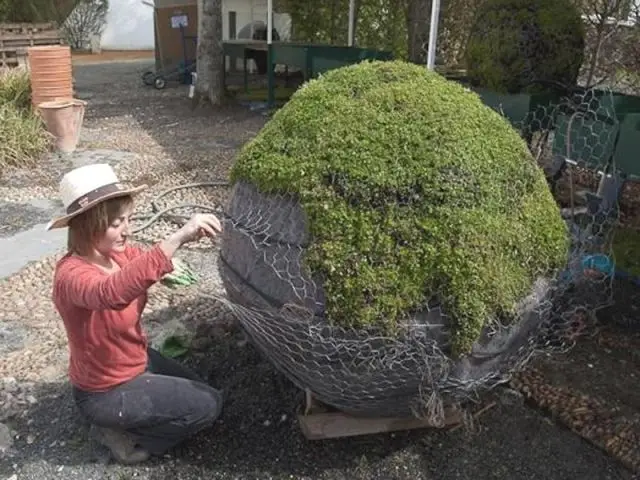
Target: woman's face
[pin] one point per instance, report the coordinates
(115, 238)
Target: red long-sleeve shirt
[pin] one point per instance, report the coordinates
(101, 314)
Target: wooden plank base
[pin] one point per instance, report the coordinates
(323, 424)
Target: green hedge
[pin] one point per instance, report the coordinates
(35, 11)
(413, 188)
(514, 42)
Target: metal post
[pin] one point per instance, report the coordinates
(433, 34)
(270, 72)
(269, 21)
(352, 14)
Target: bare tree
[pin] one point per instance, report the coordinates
(210, 59)
(456, 24)
(418, 20)
(607, 37)
(88, 18)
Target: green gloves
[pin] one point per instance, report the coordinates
(182, 275)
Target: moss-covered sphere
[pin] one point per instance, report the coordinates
(514, 42)
(413, 190)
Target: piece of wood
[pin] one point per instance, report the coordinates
(16, 38)
(27, 27)
(29, 38)
(321, 426)
(317, 423)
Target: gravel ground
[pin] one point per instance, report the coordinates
(257, 437)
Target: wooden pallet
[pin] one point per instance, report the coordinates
(320, 422)
(15, 38)
(26, 28)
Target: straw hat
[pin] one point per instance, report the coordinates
(85, 187)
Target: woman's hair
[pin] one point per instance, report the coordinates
(86, 229)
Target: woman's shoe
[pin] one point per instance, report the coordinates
(122, 447)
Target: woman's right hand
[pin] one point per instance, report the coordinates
(199, 225)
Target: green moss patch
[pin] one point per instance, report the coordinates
(413, 190)
(626, 250)
(514, 42)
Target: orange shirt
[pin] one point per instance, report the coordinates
(101, 314)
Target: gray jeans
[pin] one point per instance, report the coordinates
(160, 408)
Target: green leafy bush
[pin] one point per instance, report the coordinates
(24, 137)
(514, 42)
(413, 189)
(35, 11)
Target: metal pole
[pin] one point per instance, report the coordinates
(433, 34)
(352, 14)
(270, 73)
(269, 20)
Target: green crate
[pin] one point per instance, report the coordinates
(591, 142)
(627, 154)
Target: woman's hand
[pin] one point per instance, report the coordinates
(199, 225)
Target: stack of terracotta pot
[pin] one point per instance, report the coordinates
(52, 94)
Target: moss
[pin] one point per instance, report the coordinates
(626, 250)
(413, 188)
(514, 42)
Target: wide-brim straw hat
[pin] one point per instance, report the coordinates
(85, 187)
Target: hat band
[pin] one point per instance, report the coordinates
(92, 196)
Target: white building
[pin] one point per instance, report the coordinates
(130, 23)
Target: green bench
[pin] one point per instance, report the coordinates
(313, 60)
(310, 59)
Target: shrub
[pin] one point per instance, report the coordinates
(514, 42)
(15, 88)
(413, 190)
(23, 135)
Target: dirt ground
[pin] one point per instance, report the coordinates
(257, 436)
(82, 58)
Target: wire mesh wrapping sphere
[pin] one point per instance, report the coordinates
(390, 240)
(515, 44)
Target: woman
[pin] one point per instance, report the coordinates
(138, 402)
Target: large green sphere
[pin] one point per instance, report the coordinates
(413, 190)
(516, 42)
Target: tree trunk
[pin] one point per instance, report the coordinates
(418, 19)
(210, 59)
(595, 55)
(356, 11)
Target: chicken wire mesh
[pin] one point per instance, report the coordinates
(282, 308)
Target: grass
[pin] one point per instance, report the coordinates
(24, 137)
(261, 94)
(15, 88)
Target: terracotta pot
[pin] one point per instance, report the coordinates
(51, 73)
(63, 119)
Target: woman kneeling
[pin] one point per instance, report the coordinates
(138, 402)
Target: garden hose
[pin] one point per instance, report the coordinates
(182, 274)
